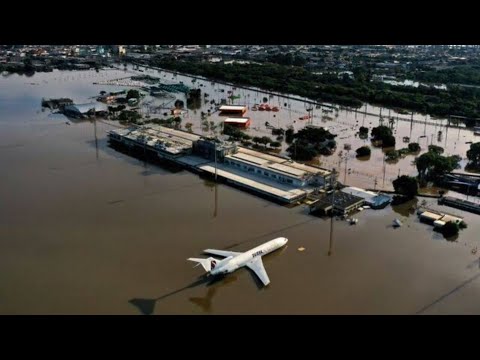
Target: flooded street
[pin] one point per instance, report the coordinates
(373, 172)
(88, 230)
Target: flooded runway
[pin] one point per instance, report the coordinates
(88, 230)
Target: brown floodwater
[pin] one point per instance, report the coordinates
(373, 172)
(88, 230)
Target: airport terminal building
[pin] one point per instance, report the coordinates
(278, 169)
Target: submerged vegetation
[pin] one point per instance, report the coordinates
(310, 142)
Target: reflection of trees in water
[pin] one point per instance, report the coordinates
(406, 209)
(453, 238)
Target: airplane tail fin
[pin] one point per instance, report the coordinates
(208, 264)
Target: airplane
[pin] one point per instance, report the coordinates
(235, 260)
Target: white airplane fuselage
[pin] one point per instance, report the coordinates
(232, 263)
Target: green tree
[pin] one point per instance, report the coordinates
(275, 144)
(289, 133)
(133, 94)
(265, 140)
(363, 151)
(473, 154)
(406, 185)
(363, 130)
(435, 149)
(392, 155)
(257, 139)
(383, 134)
(302, 151)
(433, 166)
(388, 141)
(414, 147)
(450, 229)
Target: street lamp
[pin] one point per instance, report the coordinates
(330, 247)
(346, 166)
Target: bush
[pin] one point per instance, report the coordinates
(133, 94)
(289, 135)
(435, 149)
(363, 151)
(392, 155)
(388, 141)
(414, 147)
(450, 229)
(406, 185)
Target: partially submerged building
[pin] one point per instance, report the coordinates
(239, 122)
(278, 169)
(163, 142)
(56, 103)
(437, 218)
(374, 200)
(213, 149)
(274, 177)
(460, 204)
(80, 111)
(339, 203)
(237, 110)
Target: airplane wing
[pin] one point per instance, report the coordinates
(257, 267)
(221, 252)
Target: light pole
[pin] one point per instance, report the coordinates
(346, 163)
(330, 247)
(215, 154)
(384, 169)
(216, 184)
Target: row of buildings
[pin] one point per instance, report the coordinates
(275, 177)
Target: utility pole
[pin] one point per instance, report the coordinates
(95, 132)
(215, 153)
(216, 184)
(144, 146)
(384, 169)
(216, 200)
(330, 247)
(345, 176)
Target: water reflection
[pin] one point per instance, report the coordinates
(406, 209)
(205, 303)
(147, 306)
